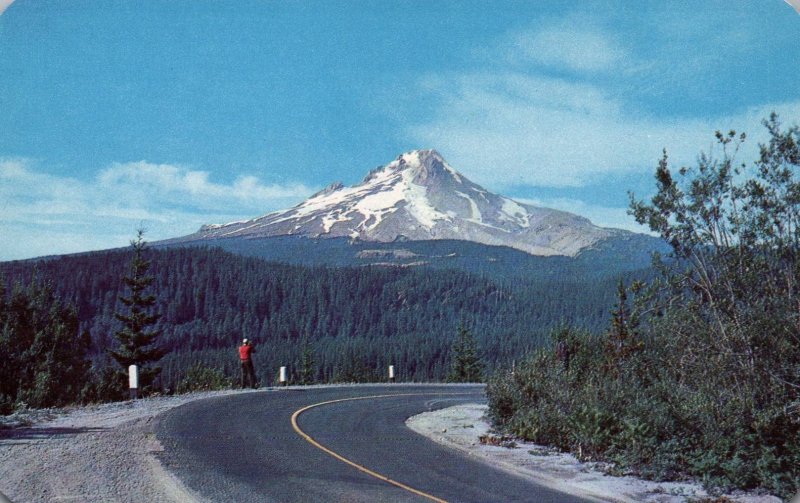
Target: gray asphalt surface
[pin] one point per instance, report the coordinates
(243, 448)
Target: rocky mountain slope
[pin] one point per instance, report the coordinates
(417, 197)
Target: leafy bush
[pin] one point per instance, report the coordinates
(698, 373)
(106, 385)
(202, 378)
(503, 398)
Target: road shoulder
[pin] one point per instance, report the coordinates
(98, 453)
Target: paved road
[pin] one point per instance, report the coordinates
(243, 448)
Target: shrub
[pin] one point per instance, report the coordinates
(106, 385)
(503, 398)
(202, 378)
(706, 384)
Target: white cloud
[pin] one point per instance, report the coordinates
(46, 214)
(512, 129)
(570, 44)
(567, 102)
(176, 184)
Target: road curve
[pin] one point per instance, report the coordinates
(335, 444)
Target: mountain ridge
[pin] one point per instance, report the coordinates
(418, 197)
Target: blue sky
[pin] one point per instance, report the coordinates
(173, 114)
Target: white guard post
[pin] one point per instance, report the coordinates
(133, 380)
(282, 376)
(391, 373)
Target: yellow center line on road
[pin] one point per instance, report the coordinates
(355, 465)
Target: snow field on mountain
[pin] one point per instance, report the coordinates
(418, 196)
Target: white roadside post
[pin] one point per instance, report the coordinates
(282, 376)
(133, 381)
(391, 373)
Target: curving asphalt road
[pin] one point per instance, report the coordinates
(244, 448)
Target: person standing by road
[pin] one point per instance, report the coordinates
(246, 351)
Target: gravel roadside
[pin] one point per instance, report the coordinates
(109, 453)
(461, 427)
(98, 453)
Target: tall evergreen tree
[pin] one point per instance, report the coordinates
(466, 365)
(138, 337)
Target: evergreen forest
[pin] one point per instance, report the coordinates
(332, 324)
(689, 368)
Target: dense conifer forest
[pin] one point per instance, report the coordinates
(355, 321)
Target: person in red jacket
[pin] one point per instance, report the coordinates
(246, 351)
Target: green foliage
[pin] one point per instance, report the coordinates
(107, 384)
(503, 394)
(592, 429)
(698, 373)
(43, 360)
(201, 378)
(137, 338)
(355, 366)
(466, 366)
(731, 330)
(623, 339)
(307, 366)
(210, 300)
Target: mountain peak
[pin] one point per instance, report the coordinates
(426, 166)
(419, 164)
(421, 197)
(415, 157)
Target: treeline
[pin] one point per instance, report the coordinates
(356, 321)
(43, 355)
(698, 372)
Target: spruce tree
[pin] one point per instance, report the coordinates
(465, 366)
(138, 337)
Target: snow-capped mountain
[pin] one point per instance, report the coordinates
(419, 196)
